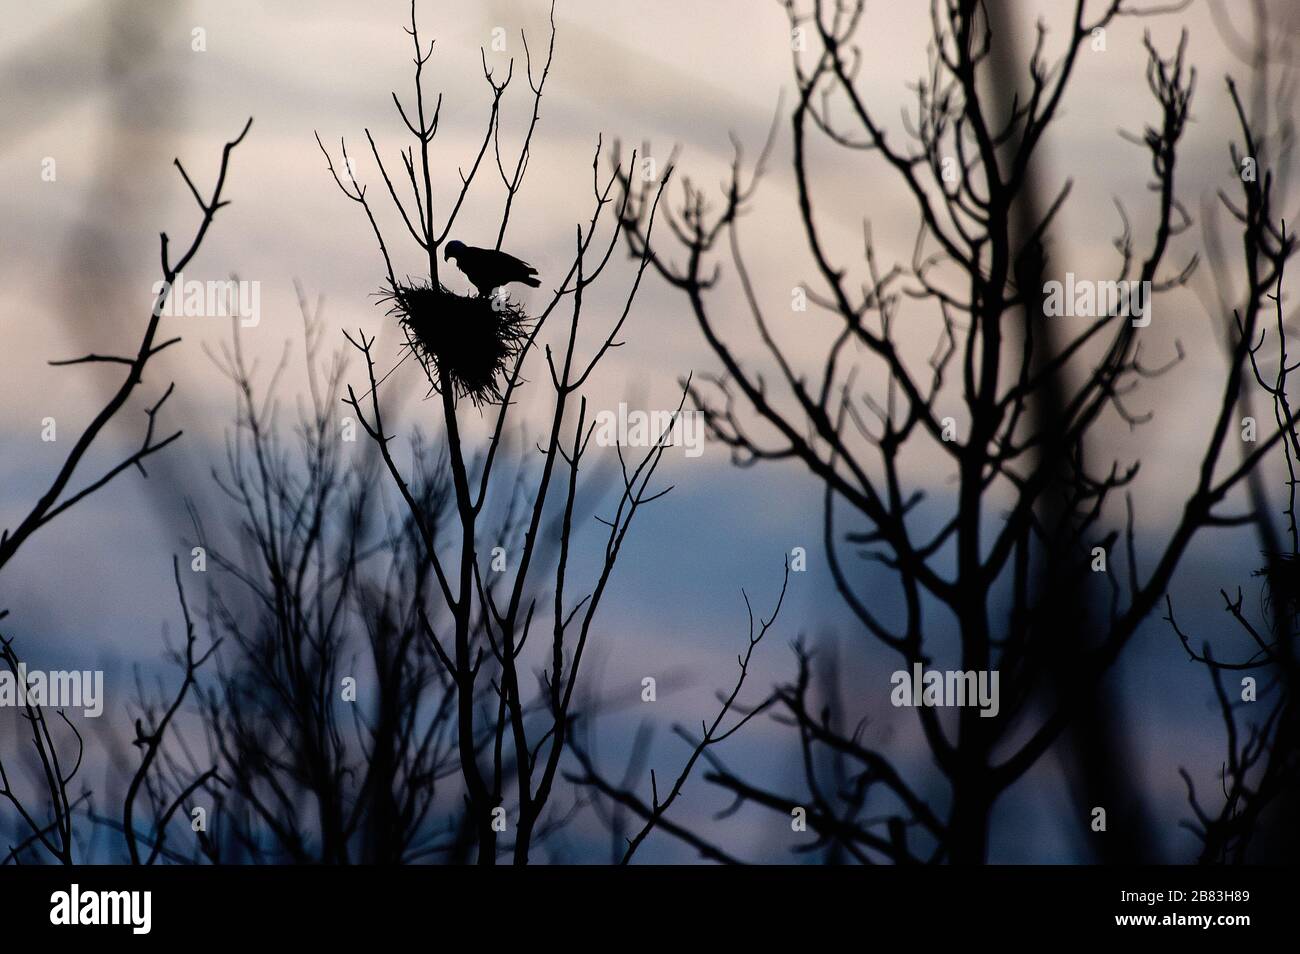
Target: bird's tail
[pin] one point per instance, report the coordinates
(531, 282)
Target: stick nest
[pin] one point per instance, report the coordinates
(468, 341)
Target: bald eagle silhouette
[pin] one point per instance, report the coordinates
(487, 269)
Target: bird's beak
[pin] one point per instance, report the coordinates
(446, 254)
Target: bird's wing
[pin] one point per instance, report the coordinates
(508, 263)
(524, 266)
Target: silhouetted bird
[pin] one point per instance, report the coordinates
(487, 269)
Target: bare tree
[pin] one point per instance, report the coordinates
(327, 718)
(1005, 401)
(1257, 778)
(509, 784)
(1260, 777)
(56, 773)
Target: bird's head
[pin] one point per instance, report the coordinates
(452, 249)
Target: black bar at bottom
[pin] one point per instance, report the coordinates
(232, 905)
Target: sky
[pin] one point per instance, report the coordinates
(112, 91)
